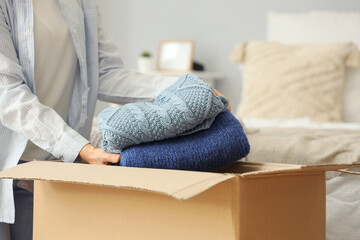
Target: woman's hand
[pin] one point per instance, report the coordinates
(217, 93)
(93, 155)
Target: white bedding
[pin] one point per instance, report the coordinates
(343, 208)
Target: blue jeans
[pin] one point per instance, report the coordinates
(22, 229)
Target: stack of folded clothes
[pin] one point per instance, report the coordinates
(187, 128)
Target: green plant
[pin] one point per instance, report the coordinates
(146, 54)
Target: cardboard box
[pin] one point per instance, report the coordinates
(254, 201)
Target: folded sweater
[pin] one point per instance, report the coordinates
(187, 106)
(217, 147)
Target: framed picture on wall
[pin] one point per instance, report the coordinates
(175, 55)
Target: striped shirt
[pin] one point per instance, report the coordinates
(101, 76)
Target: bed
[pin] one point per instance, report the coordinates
(308, 111)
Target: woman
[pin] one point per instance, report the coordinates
(55, 62)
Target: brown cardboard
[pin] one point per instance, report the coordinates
(251, 201)
(178, 184)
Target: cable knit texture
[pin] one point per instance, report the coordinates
(222, 144)
(187, 106)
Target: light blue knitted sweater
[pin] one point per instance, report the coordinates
(187, 106)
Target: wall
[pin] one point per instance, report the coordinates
(216, 26)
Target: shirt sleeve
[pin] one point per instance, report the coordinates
(119, 85)
(21, 111)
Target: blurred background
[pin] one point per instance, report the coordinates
(215, 26)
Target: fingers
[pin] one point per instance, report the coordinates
(217, 93)
(93, 155)
(105, 158)
(229, 106)
(113, 158)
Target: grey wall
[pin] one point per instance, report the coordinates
(216, 26)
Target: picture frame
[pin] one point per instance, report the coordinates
(175, 55)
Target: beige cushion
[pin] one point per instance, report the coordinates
(292, 81)
(322, 26)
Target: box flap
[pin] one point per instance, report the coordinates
(175, 183)
(350, 172)
(245, 167)
(265, 169)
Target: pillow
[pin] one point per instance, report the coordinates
(328, 27)
(216, 147)
(293, 81)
